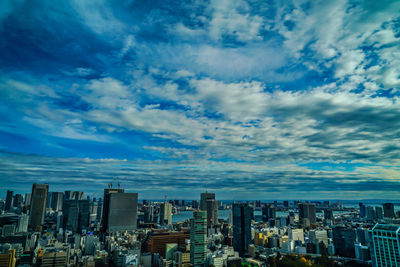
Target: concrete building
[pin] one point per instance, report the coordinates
(119, 211)
(242, 237)
(166, 213)
(388, 210)
(9, 200)
(212, 212)
(307, 211)
(38, 206)
(203, 199)
(386, 248)
(198, 238)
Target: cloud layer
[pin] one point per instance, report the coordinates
(246, 98)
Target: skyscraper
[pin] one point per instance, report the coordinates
(119, 211)
(363, 210)
(212, 211)
(38, 206)
(203, 199)
(165, 213)
(307, 211)
(386, 240)
(268, 212)
(344, 239)
(198, 238)
(242, 214)
(9, 200)
(18, 200)
(73, 195)
(388, 210)
(76, 214)
(56, 201)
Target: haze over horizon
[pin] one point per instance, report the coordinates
(247, 99)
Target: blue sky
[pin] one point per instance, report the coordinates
(250, 99)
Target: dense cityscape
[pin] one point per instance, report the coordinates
(202, 133)
(45, 228)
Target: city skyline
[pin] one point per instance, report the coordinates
(246, 99)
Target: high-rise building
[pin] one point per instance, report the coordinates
(55, 259)
(119, 210)
(9, 200)
(328, 214)
(370, 213)
(18, 200)
(56, 203)
(166, 213)
(242, 214)
(379, 213)
(149, 214)
(268, 212)
(198, 238)
(73, 195)
(296, 235)
(23, 222)
(363, 210)
(386, 238)
(7, 257)
(28, 197)
(76, 215)
(99, 209)
(212, 211)
(307, 211)
(38, 206)
(195, 204)
(203, 199)
(388, 210)
(344, 239)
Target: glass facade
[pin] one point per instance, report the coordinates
(386, 240)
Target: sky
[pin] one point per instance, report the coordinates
(247, 99)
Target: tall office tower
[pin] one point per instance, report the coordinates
(198, 238)
(149, 214)
(307, 211)
(212, 212)
(73, 195)
(165, 213)
(370, 213)
(119, 211)
(344, 239)
(28, 197)
(195, 204)
(18, 200)
(76, 215)
(93, 210)
(363, 210)
(386, 238)
(99, 209)
(296, 235)
(286, 204)
(388, 210)
(328, 214)
(268, 212)
(38, 206)
(22, 226)
(9, 200)
(203, 199)
(56, 202)
(318, 236)
(379, 213)
(242, 214)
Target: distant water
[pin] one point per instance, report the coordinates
(187, 215)
(224, 214)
